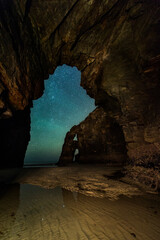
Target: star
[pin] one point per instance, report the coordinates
(63, 105)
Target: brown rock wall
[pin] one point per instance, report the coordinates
(99, 140)
(114, 43)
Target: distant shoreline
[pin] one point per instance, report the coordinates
(40, 165)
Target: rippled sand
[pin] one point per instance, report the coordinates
(77, 203)
(30, 212)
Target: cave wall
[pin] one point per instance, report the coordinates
(115, 45)
(14, 138)
(99, 139)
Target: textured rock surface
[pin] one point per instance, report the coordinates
(114, 43)
(99, 140)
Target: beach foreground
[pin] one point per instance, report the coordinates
(77, 202)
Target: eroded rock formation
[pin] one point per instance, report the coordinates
(115, 44)
(98, 139)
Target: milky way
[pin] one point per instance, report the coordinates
(63, 104)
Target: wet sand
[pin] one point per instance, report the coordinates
(91, 180)
(35, 213)
(101, 208)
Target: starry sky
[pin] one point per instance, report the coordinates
(63, 104)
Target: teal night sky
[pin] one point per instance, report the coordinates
(63, 104)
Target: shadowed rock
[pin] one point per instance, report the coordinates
(99, 140)
(115, 45)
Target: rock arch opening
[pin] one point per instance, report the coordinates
(76, 154)
(120, 67)
(97, 139)
(63, 104)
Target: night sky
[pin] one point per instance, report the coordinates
(63, 104)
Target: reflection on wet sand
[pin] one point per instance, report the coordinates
(59, 214)
(9, 204)
(91, 180)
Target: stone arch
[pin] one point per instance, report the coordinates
(100, 139)
(115, 44)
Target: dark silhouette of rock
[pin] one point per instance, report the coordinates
(96, 143)
(14, 138)
(115, 45)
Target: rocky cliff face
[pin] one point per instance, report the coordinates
(98, 139)
(115, 45)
